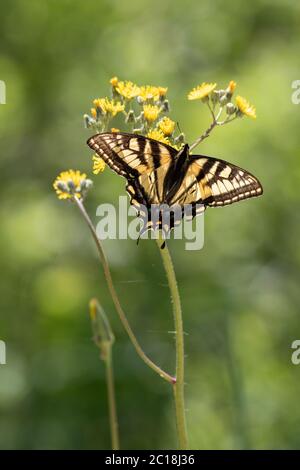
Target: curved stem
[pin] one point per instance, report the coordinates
(178, 386)
(209, 129)
(113, 419)
(115, 298)
(203, 136)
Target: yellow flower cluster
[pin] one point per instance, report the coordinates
(207, 91)
(130, 90)
(151, 98)
(107, 106)
(147, 115)
(98, 165)
(69, 184)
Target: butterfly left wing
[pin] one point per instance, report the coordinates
(213, 182)
(144, 162)
(131, 155)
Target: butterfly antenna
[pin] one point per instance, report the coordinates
(179, 127)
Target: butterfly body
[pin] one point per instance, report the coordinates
(158, 174)
(176, 174)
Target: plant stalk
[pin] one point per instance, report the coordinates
(178, 386)
(113, 419)
(115, 298)
(209, 129)
(203, 136)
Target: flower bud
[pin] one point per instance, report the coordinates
(71, 186)
(166, 106)
(115, 94)
(114, 81)
(102, 332)
(224, 99)
(62, 186)
(85, 185)
(88, 121)
(219, 96)
(230, 109)
(130, 116)
(215, 96)
(231, 87)
(180, 139)
(99, 112)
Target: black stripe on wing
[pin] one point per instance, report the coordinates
(131, 155)
(223, 183)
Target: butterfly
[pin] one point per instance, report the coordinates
(160, 176)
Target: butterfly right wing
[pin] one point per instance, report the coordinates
(213, 182)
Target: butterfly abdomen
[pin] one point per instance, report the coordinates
(176, 174)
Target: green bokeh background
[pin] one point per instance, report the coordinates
(240, 294)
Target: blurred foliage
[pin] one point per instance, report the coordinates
(240, 293)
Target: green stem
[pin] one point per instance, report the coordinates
(203, 136)
(113, 419)
(208, 131)
(178, 386)
(115, 297)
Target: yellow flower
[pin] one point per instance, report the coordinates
(98, 165)
(127, 89)
(114, 129)
(150, 92)
(245, 107)
(98, 102)
(231, 87)
(108, 106)
(201, 91)
(94, 112)
(157, 134)
(162, 91)
(114, 81)
(151, 112)
(71, 183)
(166, 125)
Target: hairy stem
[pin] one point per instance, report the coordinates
(209, 129)
(115, 298)
(178, 386)
(203, 136)
(113, 419)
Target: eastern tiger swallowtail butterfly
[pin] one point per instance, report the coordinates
(158, 174)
